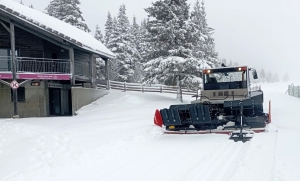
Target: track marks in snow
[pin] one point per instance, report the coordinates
(50, 165)
(48, 146)
(219, 163)
(168, 157)
(258, 161)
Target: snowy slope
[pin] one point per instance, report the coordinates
(114, 139)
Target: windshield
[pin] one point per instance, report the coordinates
(220, 77)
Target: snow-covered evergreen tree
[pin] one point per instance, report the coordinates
(98, 35)
(100, 68)
(210, 53)
(114, 66)
(145, 44)
(31, 6)
(108, 28)
(100, 63)
(286, 77)
(172, 38)
(21, 2)
(262, 75)
(135, 34)
(270, 78)
(135, 39)
(276, 78)
(67, 11)
(120, 44)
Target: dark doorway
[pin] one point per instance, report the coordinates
(55, 101)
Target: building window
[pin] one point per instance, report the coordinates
(21, 94)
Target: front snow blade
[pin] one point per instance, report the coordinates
(241, 136)
(157, 118)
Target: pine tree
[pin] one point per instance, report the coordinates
(168, 28)
(136, 38)
(172, 38)
(120, 44)
(209, 49)
(100, 68)
(108, 28)
(263, 75)
(205, 47)
(145, 44)
(286, 77)
(98, 35)
(31, 6)
(100, 63)
(114, 66)
(276, 78)
(21, 2)
(270, 78)
(67, 11)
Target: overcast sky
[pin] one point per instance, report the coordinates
(258, 33)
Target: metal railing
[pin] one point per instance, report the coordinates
(36, 65)
(42, 65)
(294, 90)
(82, 69)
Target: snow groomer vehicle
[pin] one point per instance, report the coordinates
(226, 105)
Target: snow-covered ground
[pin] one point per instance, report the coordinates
(114, 139)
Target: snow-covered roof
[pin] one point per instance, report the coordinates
(56, 27)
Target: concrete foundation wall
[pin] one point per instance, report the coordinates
(84, 96)
(33, 106)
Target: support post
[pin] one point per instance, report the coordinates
(108, 85)
(107, 73)
(92, 69)
(14, 67)
(106, 69)
(71, 57)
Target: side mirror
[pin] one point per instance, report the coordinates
(254, 74)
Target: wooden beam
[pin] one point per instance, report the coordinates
(4, 25)
(14, 67)
(92, 67)
(106, 69)
(72, 59)
(5, 83)
(25, 81)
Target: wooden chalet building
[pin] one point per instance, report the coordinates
(53, 62)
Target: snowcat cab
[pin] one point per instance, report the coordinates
(226, 105)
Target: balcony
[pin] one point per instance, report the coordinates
(43, 68)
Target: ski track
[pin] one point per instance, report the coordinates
(164, 164)
(217, 164)
(258, 161)
(47, 164)
(42, 153)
